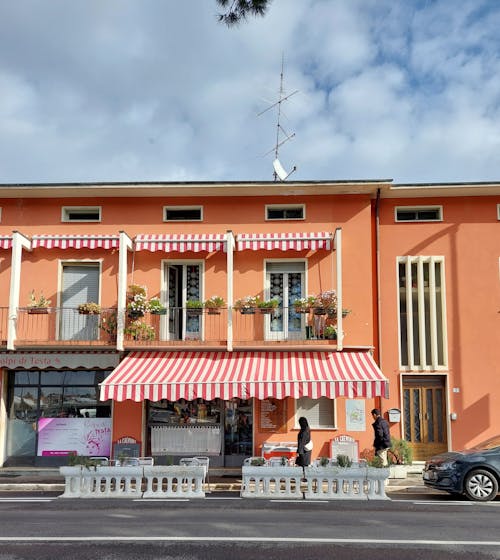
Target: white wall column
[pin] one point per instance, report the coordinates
(125, 246)
(19, 242)
(230, 279)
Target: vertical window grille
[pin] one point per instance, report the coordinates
(422, 312)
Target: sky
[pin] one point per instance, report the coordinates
(159, 90)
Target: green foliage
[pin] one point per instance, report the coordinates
(323, 461)
(75, 460)
(139, 330)
(257, 461)
(194, 304)
(41, 301)
(344, 461)
(400, 452)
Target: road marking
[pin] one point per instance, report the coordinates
(25, 500)
(161, 500)
(285, 540)
(453, 503)
(300, 501)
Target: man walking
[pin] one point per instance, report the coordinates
(382, 441)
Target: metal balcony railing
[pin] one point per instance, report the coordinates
(64, 326)
(178, 326)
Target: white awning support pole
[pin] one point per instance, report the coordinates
(230, 278)
(125, 246)
(19, 242)
(338, 262)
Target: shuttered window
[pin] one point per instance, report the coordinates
(80, 285)
(320, 413)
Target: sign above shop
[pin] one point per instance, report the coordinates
(58, 360)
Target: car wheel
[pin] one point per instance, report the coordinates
(480, 486)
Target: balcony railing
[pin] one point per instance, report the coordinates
(65, 326)
(177, 327)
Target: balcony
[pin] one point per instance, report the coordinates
(57, 326)
(177, 328)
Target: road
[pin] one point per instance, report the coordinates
(227, 527)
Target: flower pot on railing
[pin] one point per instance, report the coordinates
(247, 310)
(159, 311)
(319, 311)
(38, 310)
(134, 314)
(194, 311)
(213, 310)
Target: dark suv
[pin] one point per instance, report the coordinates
(473, 472)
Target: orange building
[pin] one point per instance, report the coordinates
(332, 293)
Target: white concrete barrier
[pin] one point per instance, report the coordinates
(128, 482)
(102, 482)
(271, 482)
(174, 481)
(319, 483)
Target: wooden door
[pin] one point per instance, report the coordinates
(424, 409)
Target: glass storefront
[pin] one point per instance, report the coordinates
(220, 429)
(35, 398)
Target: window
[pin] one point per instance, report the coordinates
(81, 214)
(80, 284)
(285, 212)
(422, 312)
(320, 413)
(182, 214)
(419, 214)
(285, 282)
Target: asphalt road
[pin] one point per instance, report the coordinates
(225, 527)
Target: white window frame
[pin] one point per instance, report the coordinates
(498, 212)
(420, 261)
(300, 412)
(418, 209)
(285, 207)
(67, 210)
(169, 207)
(0, 213)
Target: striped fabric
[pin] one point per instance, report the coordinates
(209, 375)
(284, 241)
(76, 241)
(5, 242)
(181, 243)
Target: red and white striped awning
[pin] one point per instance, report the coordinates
(5, 242)
(209, 375)
(181, 243)
(284, 241)
(76, 241)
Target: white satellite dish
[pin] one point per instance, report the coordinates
(280, 171)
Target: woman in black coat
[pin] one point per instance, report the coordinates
(303, 438)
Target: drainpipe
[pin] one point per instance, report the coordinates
(19, 241)
(377, 272)
(230, 280)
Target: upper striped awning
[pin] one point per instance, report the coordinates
(284, 241)
(76, 241)
(5, 242)
(209, 375)
(181, 243)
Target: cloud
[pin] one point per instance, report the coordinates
(129, 90)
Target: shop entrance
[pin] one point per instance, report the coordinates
(219, 429)
(424, 407)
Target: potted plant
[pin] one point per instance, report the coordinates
(136, 290)
(108, 324)
(326, 302)
(89, 308)
(246, 305)
(330, 332)
(303, 305)
(38, 305)
(156, 307)
(137, 306)
(139, 330)
(214, 304)
(267, 306)
(194, 307)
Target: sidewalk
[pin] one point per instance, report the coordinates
(32, 479)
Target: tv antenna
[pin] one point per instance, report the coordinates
(281, 135)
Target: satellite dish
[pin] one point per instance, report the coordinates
(280, 171)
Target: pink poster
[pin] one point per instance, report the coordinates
(84, 436)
